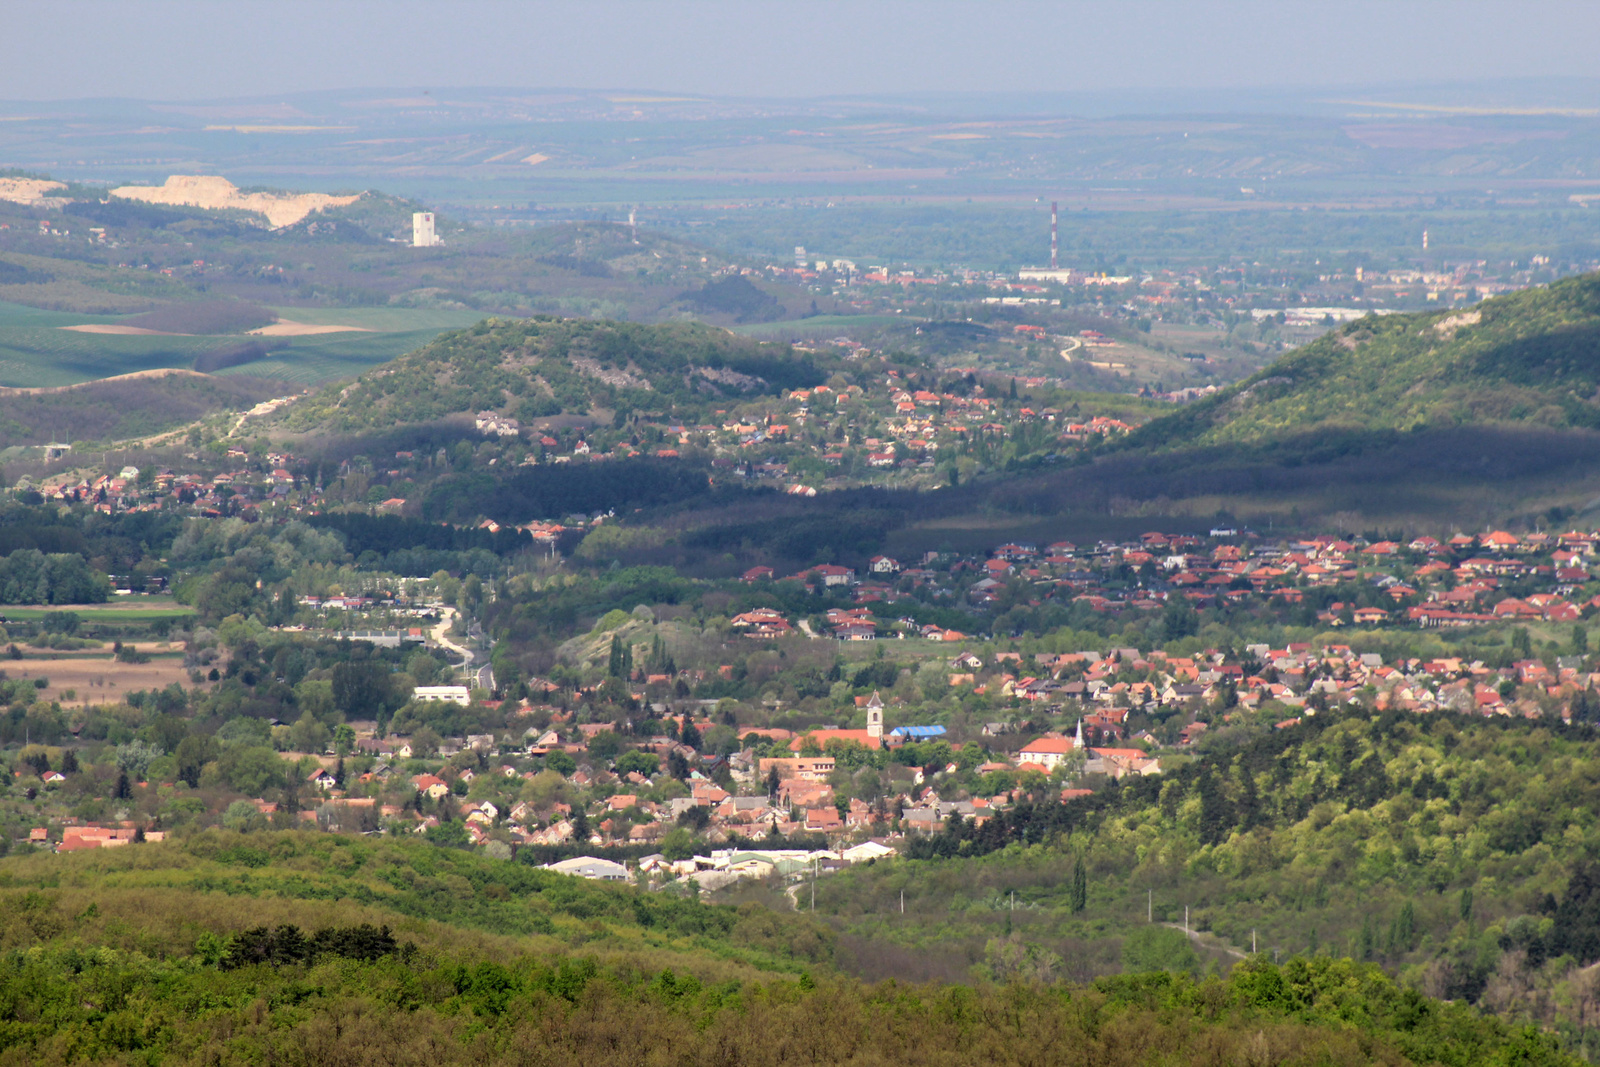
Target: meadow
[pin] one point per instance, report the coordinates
(36, 351)
(138, 609)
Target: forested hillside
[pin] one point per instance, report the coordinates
(289, 948)
(545, 366)
(1528, 357)
(1453, 850)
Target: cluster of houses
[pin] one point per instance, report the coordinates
(895, 427)
(1425, 582)
(230, 492)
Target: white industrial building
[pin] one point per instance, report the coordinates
(422, 235)
(454, 694)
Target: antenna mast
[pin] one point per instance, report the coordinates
(1052, 235)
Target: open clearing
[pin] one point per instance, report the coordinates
(285, 328)
(114, 328)
(98, 679)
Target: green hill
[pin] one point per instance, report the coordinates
(1531, 357)
(545, 366)
(306, 948)
(1455, 851)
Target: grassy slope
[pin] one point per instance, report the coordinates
(1532, 357)
(123, 409)
(228, 882)
(318, 358)
(114, 957)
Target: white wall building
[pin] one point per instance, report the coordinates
(454, 694)
(422, 235)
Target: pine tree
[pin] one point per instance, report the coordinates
(614, 665)
(1080, 885)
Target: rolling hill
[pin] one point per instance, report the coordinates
(1531, 358)
(544, 367)
(357, 252)
(1437, 421)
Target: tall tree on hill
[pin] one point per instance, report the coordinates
(1080, 885)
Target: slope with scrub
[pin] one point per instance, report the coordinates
(229, 948)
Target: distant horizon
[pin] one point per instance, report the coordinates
(192, 50)
(1562, 95)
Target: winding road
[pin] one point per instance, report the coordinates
(483, 676)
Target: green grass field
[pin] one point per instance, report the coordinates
(326, 357)
(33, 356)
(36, 352)
(389, 320)
(121, 610)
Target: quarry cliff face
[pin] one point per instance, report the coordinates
(33, 192)
(214, 192)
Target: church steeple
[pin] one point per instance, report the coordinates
(1079, 744)
(875, 716)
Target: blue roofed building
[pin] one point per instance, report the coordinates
(901, 734)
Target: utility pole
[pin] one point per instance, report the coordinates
(1150, 906)
(902, 902)
(1186, 920)
(1252, 942)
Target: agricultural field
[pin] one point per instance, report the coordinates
(38, 350)
(318, 358)
(123, 610)
(101, 679)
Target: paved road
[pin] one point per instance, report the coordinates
(1073, 344)
(440, 635)
(483, 676)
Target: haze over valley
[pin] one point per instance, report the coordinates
(849, 535)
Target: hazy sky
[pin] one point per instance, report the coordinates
(196, 49)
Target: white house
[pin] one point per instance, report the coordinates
(453, 694)
(1047, 752)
